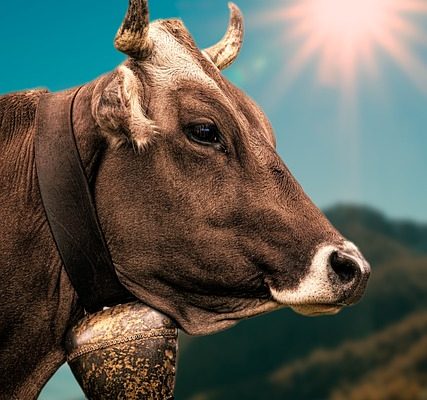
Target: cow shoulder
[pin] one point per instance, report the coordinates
(18, 111)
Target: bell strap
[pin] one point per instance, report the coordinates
(69, 206)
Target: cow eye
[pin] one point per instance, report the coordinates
(206, 134)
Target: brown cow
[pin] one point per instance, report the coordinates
(202, 218)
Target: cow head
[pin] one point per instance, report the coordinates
(203, 219)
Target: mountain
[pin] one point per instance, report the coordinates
(354, 355)
(408, 233)
(381, 238)
(380, 367)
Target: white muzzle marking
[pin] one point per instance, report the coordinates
(317, 293)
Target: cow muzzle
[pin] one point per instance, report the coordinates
(336, 278)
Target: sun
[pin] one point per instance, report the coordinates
(346, 36)
(348, 20)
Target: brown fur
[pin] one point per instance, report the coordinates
(198, 233)
(37, 303)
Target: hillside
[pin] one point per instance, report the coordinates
(395, 355)
(363, 223)
(248, 361)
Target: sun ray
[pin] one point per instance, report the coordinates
(415, 69)
(402, 28)
(413, 6)
(345, 36)
(305, 53)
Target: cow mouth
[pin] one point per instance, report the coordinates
(317, 309)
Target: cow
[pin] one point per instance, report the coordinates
(203, 220)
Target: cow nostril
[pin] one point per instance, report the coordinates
(345, 268)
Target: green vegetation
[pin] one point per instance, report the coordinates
(376, 350)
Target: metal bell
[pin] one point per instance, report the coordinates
(124, 352)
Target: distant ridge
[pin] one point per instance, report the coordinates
(408, 233)
(381, 367)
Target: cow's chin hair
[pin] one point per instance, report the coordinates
(213, 322)
(313, 310)
(206, 322)
(195, 319)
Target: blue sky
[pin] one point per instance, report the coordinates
(373, 152)
(370, 149)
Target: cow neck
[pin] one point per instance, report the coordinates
(69, 207)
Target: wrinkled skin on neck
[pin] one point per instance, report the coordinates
(198, 232)
(37, 301)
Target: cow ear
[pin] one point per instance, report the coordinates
(117, 110)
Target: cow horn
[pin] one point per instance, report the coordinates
(132, 37)
(225, 51)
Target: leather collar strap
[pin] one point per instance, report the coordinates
(69, 207)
